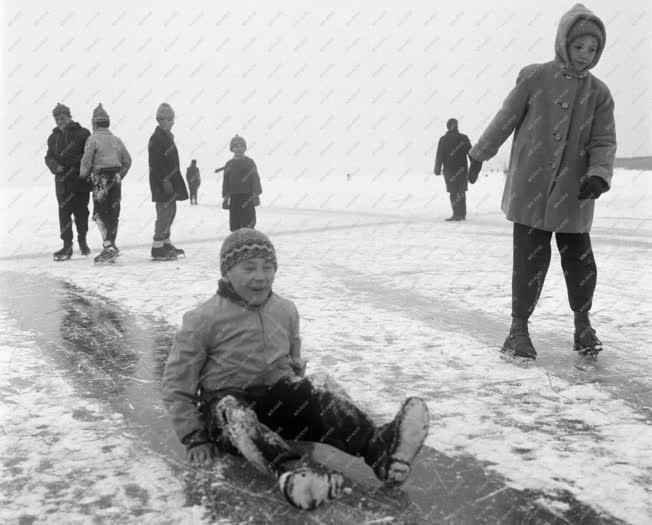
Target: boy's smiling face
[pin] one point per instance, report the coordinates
(252, 279)
(581, 52)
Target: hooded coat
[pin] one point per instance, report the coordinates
(564, 132)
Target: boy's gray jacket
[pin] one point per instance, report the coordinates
(223, 344)
(104, 150)
(564, 131)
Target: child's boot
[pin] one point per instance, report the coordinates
(64, 253)
(395, 445)
(518, 342)
(309, 487)
(586, 341)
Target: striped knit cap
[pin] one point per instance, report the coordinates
(100, 115)
(243, 244)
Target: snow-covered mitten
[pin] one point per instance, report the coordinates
(309, 487)
(396, 444)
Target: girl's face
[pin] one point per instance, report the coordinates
(252, 279)
(238, 149)
(581, 52)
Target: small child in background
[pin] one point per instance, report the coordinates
(107, 158)
(240, 187)
(194, 180)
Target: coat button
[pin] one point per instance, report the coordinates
(554, 165)
(557, 136)
(568, 77)
(565, 105)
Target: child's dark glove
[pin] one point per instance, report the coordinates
(437, 172)
(225, 203)
(474, 169)
(592, 188)
(256, 200)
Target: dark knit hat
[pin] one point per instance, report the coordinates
(100, 115)
(585, 26)
(60, 109)
(237, 140)
(244, 244)
(451, 122)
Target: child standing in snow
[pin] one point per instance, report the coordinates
(106, 157)
(240, 187)
(241, 348)
(561, 161)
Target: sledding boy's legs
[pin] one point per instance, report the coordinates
(530, 266)
(235, 427)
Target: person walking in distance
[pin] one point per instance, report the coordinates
(240, 187)
(107, 159)
(194, 180)
(65, 150)
(562, 159)
(165, 182)
(452, 150)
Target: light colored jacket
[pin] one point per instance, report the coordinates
(564, 131)
(223, 344)
(104, 150)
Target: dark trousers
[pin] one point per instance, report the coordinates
(458, 203)
(73, 205)
(193, 194)
(306, 410)
(532, 259)
(165, 213)
(242, 213)
(107, 193)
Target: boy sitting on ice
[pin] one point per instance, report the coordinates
(241, 350)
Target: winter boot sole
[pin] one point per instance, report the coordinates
(413, 425)
(306, 488)
(158, 259)
(62, 257)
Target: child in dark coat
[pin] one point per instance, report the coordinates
(240, 187)
(561, 161)
(242, 350)
(194, 180)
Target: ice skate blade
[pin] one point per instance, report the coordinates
(587, 352)
(510, 357)
(163, 259)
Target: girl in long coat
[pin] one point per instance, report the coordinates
(561, 161)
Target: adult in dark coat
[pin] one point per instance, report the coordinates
(65, 150)
(165, 182)
(194, 180)
(452, 153)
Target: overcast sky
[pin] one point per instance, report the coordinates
(350, 87)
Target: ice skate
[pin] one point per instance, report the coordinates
(308, 487)
(518, 345)
(401, 440)
(83, 247)
(586, 340)
(107, 256)
(63, 254)
(163, 254)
